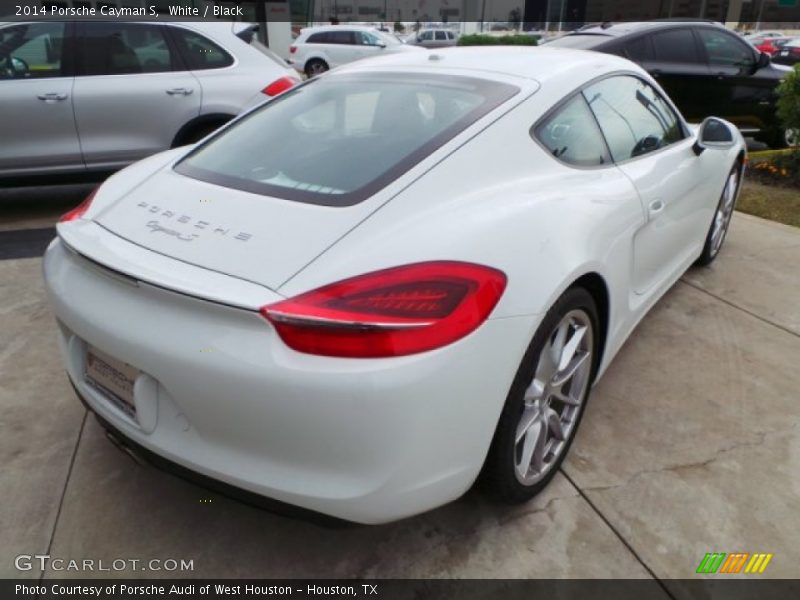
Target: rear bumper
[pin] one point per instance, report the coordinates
(362, 440)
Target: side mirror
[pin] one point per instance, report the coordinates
(714, 133)
(381, 45)
(763, 60)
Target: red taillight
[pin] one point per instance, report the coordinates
(397, 311)
(78, 211)
(279, 86)
(292, 49)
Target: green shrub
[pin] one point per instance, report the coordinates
(789, 100)
(480, 39)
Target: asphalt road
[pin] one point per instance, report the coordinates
(28, 213)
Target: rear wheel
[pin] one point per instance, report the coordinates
(201, 131)
(546, 401)
(722, 218)
(316, 66)
(791, 137)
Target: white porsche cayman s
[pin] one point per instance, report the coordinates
(394, 278)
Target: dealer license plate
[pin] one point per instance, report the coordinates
(113, 378)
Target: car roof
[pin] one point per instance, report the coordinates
(337, 28)
(534, 63)
(621, 29)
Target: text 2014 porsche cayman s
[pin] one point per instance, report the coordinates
(391, 280)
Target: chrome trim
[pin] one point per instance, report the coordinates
(282, 317)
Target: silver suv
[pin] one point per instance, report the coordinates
(81, 96)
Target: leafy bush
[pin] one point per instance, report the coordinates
(789, 101)
(480, 39)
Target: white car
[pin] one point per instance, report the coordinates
(390, 279)
(318, 49)
(98, 95)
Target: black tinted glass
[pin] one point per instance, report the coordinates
(676, 46)
(341, 37)
(124, 48)
(639, 49)
(725, 49)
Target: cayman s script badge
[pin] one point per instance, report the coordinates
(184, 219)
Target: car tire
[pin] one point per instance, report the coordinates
(722, 217)
(521, 462)
(781, 138)
(316, 66)
(201, 131)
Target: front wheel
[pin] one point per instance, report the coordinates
(546, 400)
(722, 218)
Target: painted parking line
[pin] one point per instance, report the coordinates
(25, 243)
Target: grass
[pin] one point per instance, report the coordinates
(781, 204)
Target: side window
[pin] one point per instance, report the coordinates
(199, 52)
(440, 36)
(634, 118)
(317, 38)
(341, 37)
(724, 49)
(124, 48)
(367, 38)
(426, 36)
(675, 46)
(640, 49)
(31, 51)
(572, 136)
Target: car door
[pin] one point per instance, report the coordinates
(651, 146)
(675, 61)
(38, 125)
(132, 92)
(743, 98)
(342, 47)
(370, 44)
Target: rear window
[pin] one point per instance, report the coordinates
(581, 41)
(337, 140)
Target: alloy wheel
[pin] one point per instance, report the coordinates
(554, 399)
(791, 137)
(722, 218)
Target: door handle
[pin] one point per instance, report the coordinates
(656, 206)
(180, 91)
(52, 97)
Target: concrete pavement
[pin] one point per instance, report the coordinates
(690, 445)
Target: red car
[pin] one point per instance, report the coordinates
(772, 45)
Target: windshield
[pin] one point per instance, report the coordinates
(338, 139)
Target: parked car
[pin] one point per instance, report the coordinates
(757, 36)
(706, 70)
(789, 53)
(435, 38)
(81, 96)
(772, 45)
(390, 279)
(318, 49)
